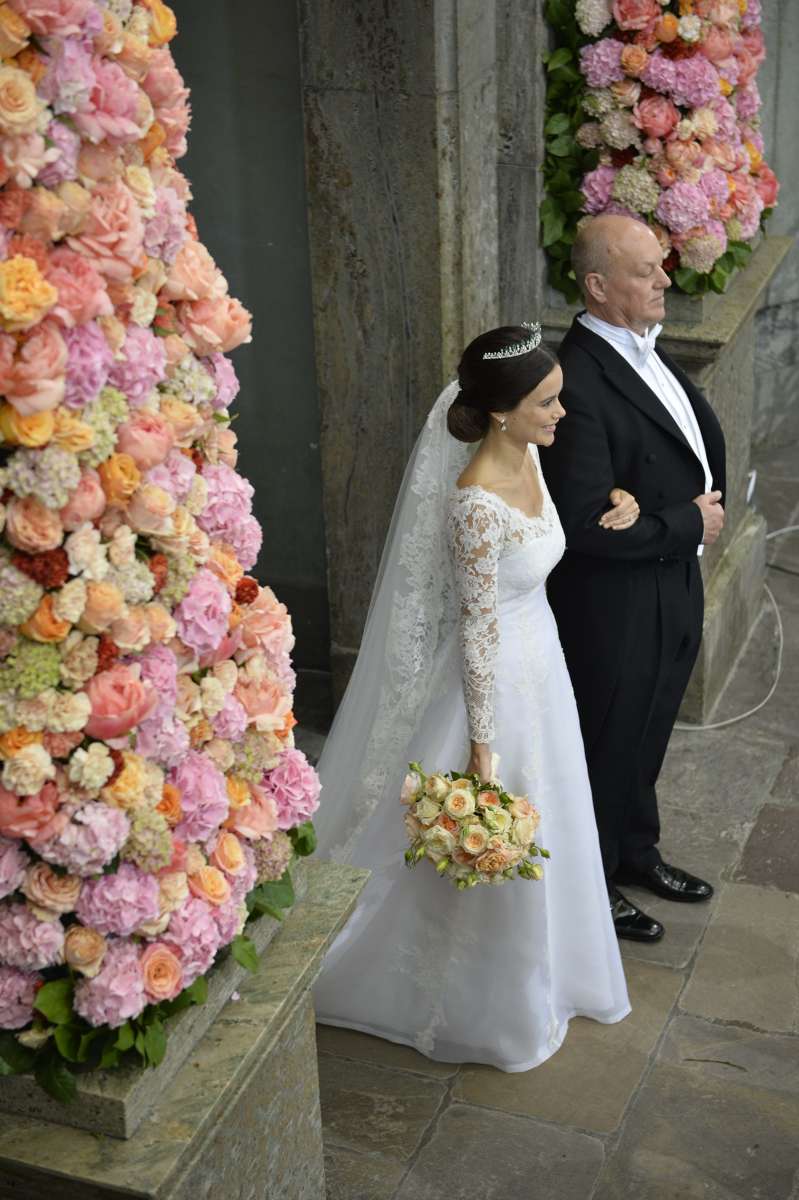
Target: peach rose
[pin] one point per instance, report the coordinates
(44, 625)
(163, 24)
(25, 295)
(162, 972)
(56, 894)
(146, 437)
(82, 293)
(31, 431)
(474, 839)
(254, 820)
(215, 325)
(238, 791)
(133, 56)
(34, 817)
(228, 854)
(160, 621)
(226, 567)
(84, 950)
(112, 233)
(19, 104)
(667, 28)
(86, 503)
(104, 605)
(634, 60)
(17, 739)
(209, 884)
(46, 216)
(131, 631)
(14, 32)
(77, 201)
(32, 527)
(70, 433)
(119, 700)
(150, 510)
(36, 381)
(491, 862)
(185, 420)
(635, 14)
(194, 275)
(170, 805)
(120, 478)
(657, 116)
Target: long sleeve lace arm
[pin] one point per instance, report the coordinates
(475, 538)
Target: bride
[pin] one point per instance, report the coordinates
(461, 659)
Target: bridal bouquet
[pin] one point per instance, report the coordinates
(472, 832)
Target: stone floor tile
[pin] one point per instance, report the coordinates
(360, 1176)
(480, 1155)
(722, 775)
(715, 1120)
(746, 969)
(347, 1043)
(786, 788)
(769, 857)
(685, 925)
(374, 1110)
(588, 1083)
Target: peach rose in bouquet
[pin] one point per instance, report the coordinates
(119, 700)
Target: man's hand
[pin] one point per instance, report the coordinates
(712, 516)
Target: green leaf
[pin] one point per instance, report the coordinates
(54, 1076)
(687, 279)
(221, 418)
(198, 990)
(15, 1059)
(139, 1044)
(67, 1039)
(559, 58)
(110, 1056)
(741, 253)
(565, 74)
(86, 1043)
(303, 839)
(552, 229)
(561, 146)
(557, 123)
(125, 1037)
(54, 1001)
(244, 952)
(719, 278)
(155, 1043)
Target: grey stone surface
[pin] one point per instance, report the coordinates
(348, 1043)
(747, 966)
(589, 1082)
(376, 1109)
(360, 1176)
(786, 788)
(116, 1102)
(209, 1134)
(715, 1120)
(769, 857)
(474, 1153)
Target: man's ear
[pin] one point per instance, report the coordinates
(595, 286)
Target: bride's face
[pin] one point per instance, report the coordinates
(535, 416)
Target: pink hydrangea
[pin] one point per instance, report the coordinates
(17, 992)
(294, 786)
(69, 80)
(91, 838)
(231, 721)
(119, 903)
(174, 475)
(749, 218)
(164, 739)
(726, 118)
(600, 62)
(141, 367)
(747, 101)
(204, 797)
(682, 207)
(194, 933)
(159, 667)
(597, 187)
(89, 360)
(65, 167)
(26, 942)
(244, 882)
(111, 113)
(165, 232)
(116, 993)
(714, 184)
(701, 253)
(659, 73)
(227, 514)
(203, 614)
(60, 18)
(696, 82)
(13, 863)
(753, 14)
(227, 917)
(224, 374)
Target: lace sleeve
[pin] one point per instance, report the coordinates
(475, 530)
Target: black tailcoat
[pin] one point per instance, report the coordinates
(628, 603)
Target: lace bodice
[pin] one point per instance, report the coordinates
(498, 553)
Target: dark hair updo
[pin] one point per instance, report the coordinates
(494, 384)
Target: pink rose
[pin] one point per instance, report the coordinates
(119, 701)
(100, 163)
(150, 510)
(257, 819)
(215, 324)
(113, 108)
(194, 275)
(717, 44)
(62, 18)
(112, 235)
(265, 702)
(656, 116)
(86, 503)
(37, 380)
(767, 186)
(267, 624)
(34, 816)
(226, 648)
(82, 292)
(32, 527)
(635, 14)
(146, 437)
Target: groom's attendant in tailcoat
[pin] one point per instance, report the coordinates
(629, 602)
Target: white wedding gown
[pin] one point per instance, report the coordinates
(491, 975)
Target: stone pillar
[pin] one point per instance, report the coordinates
(420, 125)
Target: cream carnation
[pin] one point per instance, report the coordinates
(86, 553)
(71, 713)
(92, 768)
(28, 771)
(70, 601)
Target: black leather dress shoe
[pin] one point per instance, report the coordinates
(629, 922)
(669, 882)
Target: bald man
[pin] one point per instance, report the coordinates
(629, 602)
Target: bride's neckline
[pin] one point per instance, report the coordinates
(513, 507)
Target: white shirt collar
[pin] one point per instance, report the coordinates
(637, 346)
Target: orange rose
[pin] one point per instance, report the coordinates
(25, 295)
(14, 32)
(170, 805)
(16, 739)
(32, 63)
(667, 28)
(19, 104)
(49, 893)
(209, 884)
(127, 790)
(634, 59)
(184, 418)
(162, 972)
(104, 604)
(153, 139)
(163, 24)
(227, 567)
(84, 950)
(33, 431)
(228, 854)
(120, 477)
(238, 791)
(44, 625)
(70, 433)
(200, 733)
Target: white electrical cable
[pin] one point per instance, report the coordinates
(685, 728)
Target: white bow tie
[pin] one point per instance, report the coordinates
(645, 344)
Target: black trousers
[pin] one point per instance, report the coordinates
(625, 753)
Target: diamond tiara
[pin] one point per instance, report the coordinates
(532, 343)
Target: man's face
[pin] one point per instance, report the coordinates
(635, 283)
